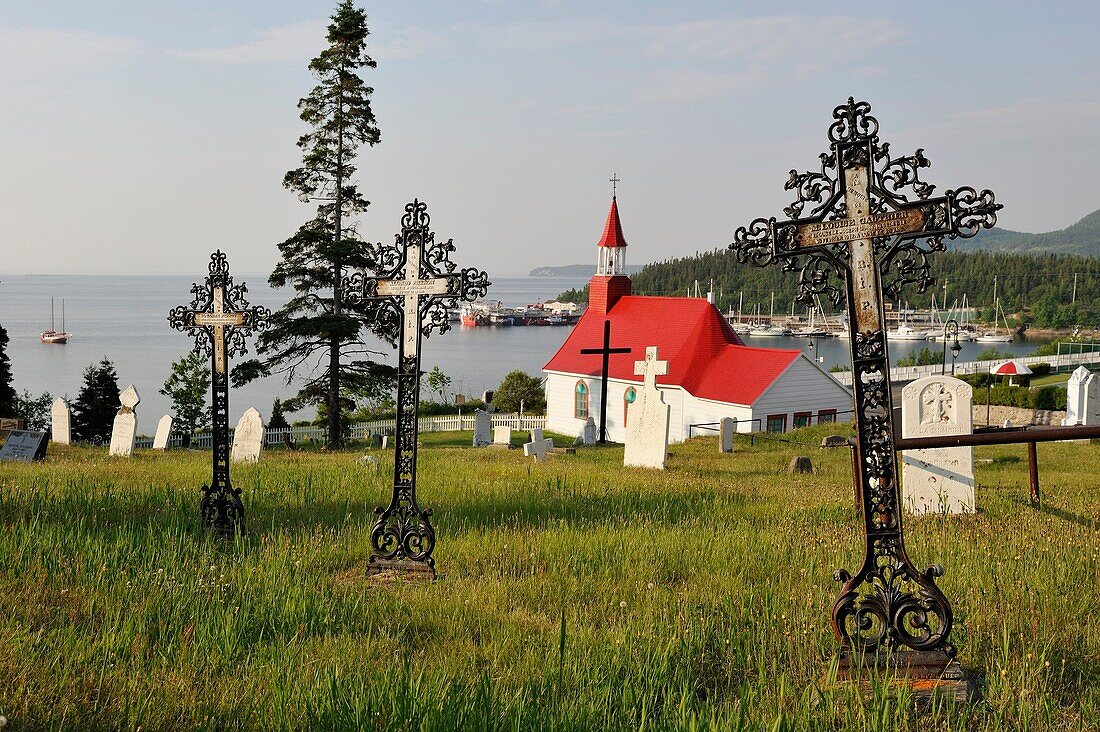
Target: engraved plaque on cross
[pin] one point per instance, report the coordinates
(412, 297)
(862, 216)
(219, 318)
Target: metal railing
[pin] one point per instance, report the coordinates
(910, 373)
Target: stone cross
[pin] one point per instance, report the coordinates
(853, 223)
(606, 351)
(219, 318)
(650, 368)
(411, 298)
(538, 447)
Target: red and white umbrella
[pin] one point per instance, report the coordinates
(1010, 368)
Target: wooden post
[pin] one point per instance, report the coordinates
(1033, 470)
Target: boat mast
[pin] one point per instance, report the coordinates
(52, 324)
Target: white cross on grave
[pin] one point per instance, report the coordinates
(538, 447)
(650, 368)
(410, 289)
(219, 319)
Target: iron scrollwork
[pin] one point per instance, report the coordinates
(888, 603)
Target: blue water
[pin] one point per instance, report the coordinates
(125, 319)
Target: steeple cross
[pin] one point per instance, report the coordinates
(614, 183)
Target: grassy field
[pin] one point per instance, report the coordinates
(576, 594)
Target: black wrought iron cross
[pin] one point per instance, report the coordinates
(219, 319)
(854, 221)
(411, 299)
(606, 351)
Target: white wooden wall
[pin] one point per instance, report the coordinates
(803, 387)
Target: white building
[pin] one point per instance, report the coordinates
(711, 373)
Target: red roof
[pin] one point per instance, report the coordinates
(705, 356)
(613, 230)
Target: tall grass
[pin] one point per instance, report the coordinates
(576, 595)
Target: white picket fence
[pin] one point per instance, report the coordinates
(910, 373)
(360, 430)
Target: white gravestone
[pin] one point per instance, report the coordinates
(538, 446)
(588, 436)
(61, 422)
(124, 430)
(483, 427)
(502, 436)
(726, 428)
(164, 431)
(938, 480)
(1082, 399)
(248, 438)
(648, 417)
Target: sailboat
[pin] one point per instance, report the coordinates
(995, 336)
(51, 335)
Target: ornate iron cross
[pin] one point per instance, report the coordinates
(219, 319)
(854, 221)
(606, 351)
(410, 300)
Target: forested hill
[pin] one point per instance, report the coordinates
(1081, 238)
(1041, 284)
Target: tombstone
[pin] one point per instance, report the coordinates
(460, 400)
(800, 464)
(164, 431)
(502, 436)
(939, 480)
(648, 417)
(385, 442)
(590, 433)
(61, 422)
(368, 459)
(248, 438)
(726, 429)
(124, 430)
(1082, 399)
(24, 446)
(538, 447)
(376, 441)
(483, 425)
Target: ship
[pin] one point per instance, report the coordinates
(55, 336)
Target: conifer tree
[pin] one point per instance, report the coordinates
(97, 403)
(7, 391)
(313, 335)
(278, 419)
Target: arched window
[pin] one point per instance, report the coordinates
(628, 398)
(580, 401)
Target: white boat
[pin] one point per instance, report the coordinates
(55, 336)
(905, 333)
(769, 331)
(994, 338)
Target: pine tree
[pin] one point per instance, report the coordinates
(313, 326)
(278, 419)
(7, 391)
(97, 403)
(188, 387)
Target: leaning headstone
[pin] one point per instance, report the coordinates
(376, 441)
(726, 428)
(483, 426)
(502, 436)
(800, 464)
(937, 480)
(834, 441)
(590, 432)
(164, 431)
(61, 419)
(1076, 399)
(248, 438)
(124, 429)
(24, 446)
(538, 447)
(648, 417)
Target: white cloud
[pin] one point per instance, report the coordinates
(35, 54)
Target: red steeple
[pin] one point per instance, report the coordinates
(613, 230)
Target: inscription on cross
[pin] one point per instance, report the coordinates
(418, 287)
(219, 319)
(864, 214)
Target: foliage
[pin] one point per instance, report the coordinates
(517, 387)
(97, 403)
(574, 295)
(993, 354)
(188, 386)
(33, 410)
(839, 368)
(1066, 345)
(925, 357)
(579, 595)
(439, 383)
(313, 335)
(278, 419)
(8, 396)
(1016, 395)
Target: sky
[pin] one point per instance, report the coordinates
(137, 136)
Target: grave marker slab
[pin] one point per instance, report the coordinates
(248, 438)
(1076, 397)
(726, 429)
(61, 418)
(648, 417)
(483, 425)
(502, 436)
(24, 446)
(938, 480)
(124, 429)
(164, 432)
(590, 432)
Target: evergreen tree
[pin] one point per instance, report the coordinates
(7, 391)
(188, 387)
(97, 403)
(278, 419)
(313, 335)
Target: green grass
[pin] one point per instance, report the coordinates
(1050, 380)
(576, 594)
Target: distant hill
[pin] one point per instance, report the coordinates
(1083, 239)
(577, 270)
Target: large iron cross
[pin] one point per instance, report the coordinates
(854, 221)
(606, 351)
(411, 299)
(219, 319)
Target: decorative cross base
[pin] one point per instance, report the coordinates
(222, 510)
(926, 674)
(407, 568)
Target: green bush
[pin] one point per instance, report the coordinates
(1040, 369)
(1044, 397)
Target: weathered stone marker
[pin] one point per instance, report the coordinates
(1082, 399)
(648, 417)
(248, 438)
(502, 436)
(124, 428)
(727, 427)
(939, 480)
(853, 220)
(539, 447)
(219, 319)
(61, 419)
(589, 433)
(164, 433)
(24, 446)
(483, 427)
